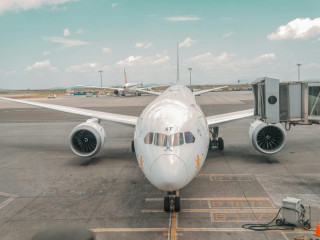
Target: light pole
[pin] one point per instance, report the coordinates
(100, 71)
(299, 64)
(190, 69)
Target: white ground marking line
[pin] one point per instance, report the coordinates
(11, 198)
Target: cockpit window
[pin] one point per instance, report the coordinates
(189, 137)
(176, 139)
(148, 138)
(160, 139)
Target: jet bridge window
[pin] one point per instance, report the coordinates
(148, 138)
(160, 139)
(189, 137)
(176, 139)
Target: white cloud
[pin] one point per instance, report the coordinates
(66, 42)
(266, 56)
(143, 45)
(66, 32)
(187, 42)
(299, 28)
(41, 65)
(16, 5)
(183, 18)
(106, 50)
(157, 59)
(228, 34)
(83, 68)
(46, 53)
(114, 5)
(129, 61)
(7, 72)
(80, 31)
(210, 59)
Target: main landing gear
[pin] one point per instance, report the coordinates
(215, 141)
(172, 202)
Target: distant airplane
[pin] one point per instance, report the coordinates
(127, 88)
(171, 138)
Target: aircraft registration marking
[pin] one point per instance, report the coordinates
(198, 163)
(141, 163)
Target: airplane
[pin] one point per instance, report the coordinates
(127, 88)
(172, 136)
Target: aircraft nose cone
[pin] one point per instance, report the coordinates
(169, 173)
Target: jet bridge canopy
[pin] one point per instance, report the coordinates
(292, 102)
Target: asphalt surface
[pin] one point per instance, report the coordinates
(43, 184)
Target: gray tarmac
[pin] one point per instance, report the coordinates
(43, 184)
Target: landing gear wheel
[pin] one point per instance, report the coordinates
(210, 144)
(306, 225)
(132, 146)
(220, 144)
(177, 204)
(166, 204)
(139, 94)
(123, 94)
(279, 222)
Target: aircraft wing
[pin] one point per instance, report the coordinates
(147, 91)
(221, 119)
(128, 120)
(197, 93)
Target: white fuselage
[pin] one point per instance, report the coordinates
(171, 139)
(130, 87)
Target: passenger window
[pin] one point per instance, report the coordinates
(176, 139)
(189, 137)
(160, 139)
(148, 138)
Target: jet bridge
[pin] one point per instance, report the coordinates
(288, 102)
(275, 103)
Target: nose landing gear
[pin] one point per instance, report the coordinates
(216, 141)
(172, 202)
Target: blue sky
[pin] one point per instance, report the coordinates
(62, 43)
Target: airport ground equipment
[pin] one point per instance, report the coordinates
(293, 213)
(277, 103)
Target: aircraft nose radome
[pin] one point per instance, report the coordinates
(169, 173)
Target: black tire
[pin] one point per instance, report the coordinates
(166, 204)
(139, 94)
(279, 222)
(132, 146)
(306, 225)
(210, 144)
(177, 204)
(220, 144)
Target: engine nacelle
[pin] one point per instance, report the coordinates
(267, 138)
(116, 92)
(87, 138)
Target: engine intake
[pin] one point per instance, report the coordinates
(116, 92)
(267, 138)
(87, 138)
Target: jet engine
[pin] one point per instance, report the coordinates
(267, 138)
(87, 138)
(116, 92)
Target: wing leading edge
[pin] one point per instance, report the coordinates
(124, 119)
(221, 119)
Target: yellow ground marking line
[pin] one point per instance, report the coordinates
(173, 228)
(206, 199)
(228, 174)
(214, 210)
(130, 230)
(231, 230)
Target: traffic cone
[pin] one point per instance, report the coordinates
(318, 228)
